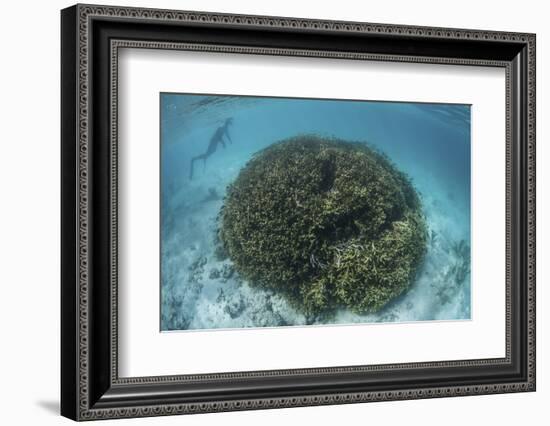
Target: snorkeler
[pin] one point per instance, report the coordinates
(217, 138)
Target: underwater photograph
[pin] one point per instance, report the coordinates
(279, 212)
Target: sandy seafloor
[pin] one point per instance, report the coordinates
(430, 142)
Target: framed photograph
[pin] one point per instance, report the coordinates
(263, 212)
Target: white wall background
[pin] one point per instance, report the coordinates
(29, 212)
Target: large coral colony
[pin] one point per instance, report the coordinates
(328, 224)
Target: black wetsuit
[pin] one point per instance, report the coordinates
(216, 139)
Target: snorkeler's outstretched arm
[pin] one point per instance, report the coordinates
(228, 136)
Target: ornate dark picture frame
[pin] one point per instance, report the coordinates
(90, 385)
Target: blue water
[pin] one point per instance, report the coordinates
(429, 142)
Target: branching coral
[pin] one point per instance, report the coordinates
(327, 223)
